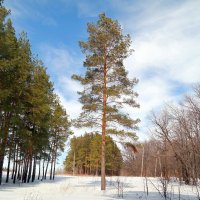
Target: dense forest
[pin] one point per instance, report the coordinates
(84, 156)
(33, 124)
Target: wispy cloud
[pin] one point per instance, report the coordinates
(59, 59)
(168, 39)
(166, 57)
(73, 107)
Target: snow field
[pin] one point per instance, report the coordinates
(88, 188)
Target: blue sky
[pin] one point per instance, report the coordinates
(166, 40)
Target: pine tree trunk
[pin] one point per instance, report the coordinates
(51, 171)
(54, 167)
(34, 169)
(23, 170)
(15, 173)
(8, 167)
(26, 170)
(103, 175)
(4, 132)
(13, 162)
(39, 170)
(45, 176)
(1, 165)
(43, 170)
(30, 169)
(19, 169)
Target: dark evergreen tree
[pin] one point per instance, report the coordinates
(8, 79)
(87, 157)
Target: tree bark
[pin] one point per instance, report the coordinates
(15, 173)
(54, 167)
(34, 169)
(49, 157)
(43, 170)
(103, 174)
(30, 170)
(4, 131)
(39, 170)
(26, 170)
(51, 171)
(13, 162)
(19, 169)
(8, 167)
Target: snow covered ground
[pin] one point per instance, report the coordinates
(85, 187)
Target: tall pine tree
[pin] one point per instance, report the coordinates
(8, 73)
(107, 87)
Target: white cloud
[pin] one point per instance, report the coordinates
(58, 59)
(168, 38)
(72, 106)
(70, 85)
(167, 46)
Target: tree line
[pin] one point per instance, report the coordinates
(173, 150)
(33, 124)
(84, 156)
